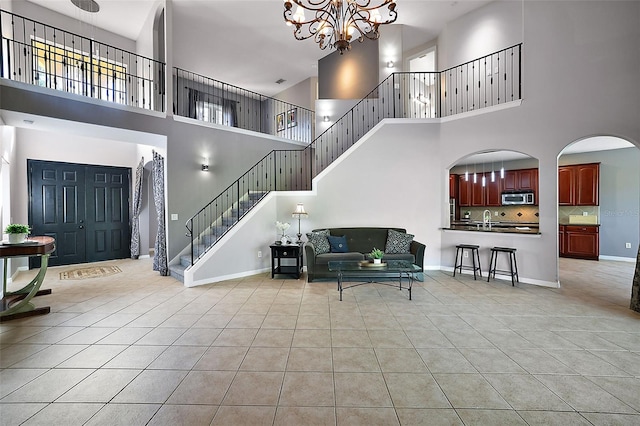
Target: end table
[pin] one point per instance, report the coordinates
(286, 251)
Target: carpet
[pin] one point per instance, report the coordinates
(90, 272)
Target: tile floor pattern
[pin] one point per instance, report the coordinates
(136, 348)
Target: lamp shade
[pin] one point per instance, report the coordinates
(299, 211)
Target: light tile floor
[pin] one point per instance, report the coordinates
(136, 348)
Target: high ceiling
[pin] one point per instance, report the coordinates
(245, 42)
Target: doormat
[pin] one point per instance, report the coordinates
(91, 272)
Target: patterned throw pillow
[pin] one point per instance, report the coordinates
(338, 244)
(320, 241)
(398, 242)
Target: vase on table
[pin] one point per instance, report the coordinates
(283, 240)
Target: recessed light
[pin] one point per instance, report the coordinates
(87, 5)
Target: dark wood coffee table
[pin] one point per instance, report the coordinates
(364, 270)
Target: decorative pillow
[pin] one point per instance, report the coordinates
(398, 242)
(320, 241)
(338, 244)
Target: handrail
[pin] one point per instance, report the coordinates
(400, 95)
(206, 99)
(35, 53)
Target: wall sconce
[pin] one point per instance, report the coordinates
(326, 119)
(390, 64)
(205, 165)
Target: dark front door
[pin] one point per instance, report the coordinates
(84, 207)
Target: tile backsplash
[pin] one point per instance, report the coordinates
(527, 214)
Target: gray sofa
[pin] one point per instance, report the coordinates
(360, 242)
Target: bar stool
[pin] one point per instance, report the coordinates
(513, 265)
(460, 250)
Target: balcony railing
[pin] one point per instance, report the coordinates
(206, 99)
(488, 81)
(45, 56)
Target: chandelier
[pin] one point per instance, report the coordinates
(336, 23)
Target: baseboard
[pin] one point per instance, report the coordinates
(618, 259)
(541, 283)
(228, 277)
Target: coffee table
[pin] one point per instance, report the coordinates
(366, 270)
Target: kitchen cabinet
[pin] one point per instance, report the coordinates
(472, 194)
(521, 180)
(580, 241)
(453, 186)
(561, 240)
(587, 183)
(578, 185)
(464, 191)
(510, 182)
(566, 184)
(493, 191)
(477, 192)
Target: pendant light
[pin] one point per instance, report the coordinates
(502, 170)
(475, 175)
(484, 178)
(493, 173)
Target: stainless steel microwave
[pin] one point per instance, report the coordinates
(517, 198)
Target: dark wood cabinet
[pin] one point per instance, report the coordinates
(472, 194)
(527, 180)
(580, 241)
(587, 183)
(493, 191)
(477, 191)
(453, 186)
(566, 183)
(578, 185)
(510, 182)
(521, 180)
(464, 192)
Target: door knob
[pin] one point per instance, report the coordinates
(81, 227)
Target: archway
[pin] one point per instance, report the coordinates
(598, 215)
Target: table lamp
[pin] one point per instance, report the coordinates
(299, 212)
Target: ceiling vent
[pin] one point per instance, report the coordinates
(280, 81)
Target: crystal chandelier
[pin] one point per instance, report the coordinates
(336, 23)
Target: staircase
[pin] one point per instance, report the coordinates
(216, 230)
(460, 89)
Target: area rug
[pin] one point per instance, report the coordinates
(90, 272)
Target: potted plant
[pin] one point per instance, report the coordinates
(376, 255)
(467, 214)
(17, 232)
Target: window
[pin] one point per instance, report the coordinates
(78, 72)
(207, 111)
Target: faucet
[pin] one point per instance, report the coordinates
(486, 219)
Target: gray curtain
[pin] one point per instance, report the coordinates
(230, 113)
(137, 203)
(192, 101)
(635, 289)
(160, 246)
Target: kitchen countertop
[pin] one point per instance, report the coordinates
(496, 227)
(578, 224)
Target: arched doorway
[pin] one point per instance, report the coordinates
(598, 217)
